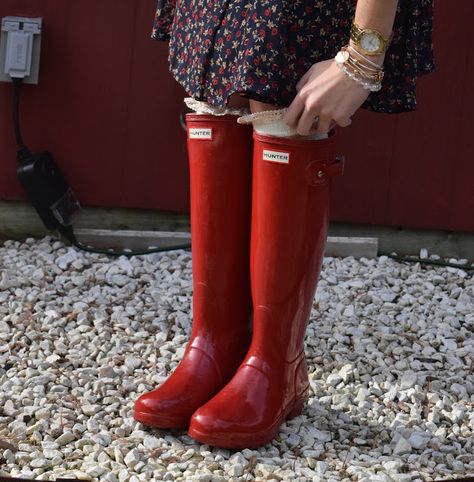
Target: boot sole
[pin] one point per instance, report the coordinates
(242, 441)
(158, 421)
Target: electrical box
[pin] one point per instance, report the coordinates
(20, 46)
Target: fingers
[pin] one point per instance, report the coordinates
(305, 123)
(296, 108)
(308, 123)
(332, 125)
(303, 80)
(294, 111)
(345, 123)
(306, 120)
(324, 125)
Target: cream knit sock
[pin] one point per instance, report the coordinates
(201, 107)
(270, 123)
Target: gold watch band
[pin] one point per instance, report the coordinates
(358, 32)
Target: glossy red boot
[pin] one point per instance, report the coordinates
(220, 161)
(291, 178)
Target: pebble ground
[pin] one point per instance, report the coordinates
(390, 348)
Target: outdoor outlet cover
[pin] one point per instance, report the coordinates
(20, 46)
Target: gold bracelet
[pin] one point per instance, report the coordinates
(370, 78)
(376, 77)
(367, 68)
(362, 56)
(344, 56)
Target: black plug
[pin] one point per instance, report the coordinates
(47, 189)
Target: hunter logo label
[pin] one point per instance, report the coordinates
(276, 156)
(200, 133)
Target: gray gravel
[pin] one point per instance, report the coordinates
(390, 349)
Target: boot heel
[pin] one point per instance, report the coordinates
(297, 409)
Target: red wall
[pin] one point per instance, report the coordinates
(108, 109)
(417, 169)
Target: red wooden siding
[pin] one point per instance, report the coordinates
(417, 169)
(107, 108)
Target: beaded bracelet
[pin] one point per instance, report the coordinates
(368, 75)
(374, 75)
(367, 85)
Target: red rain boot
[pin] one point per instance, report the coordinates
(291, 178)
(220, 162)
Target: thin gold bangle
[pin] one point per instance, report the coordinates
(373, 64)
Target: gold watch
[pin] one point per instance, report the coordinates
(369, 41)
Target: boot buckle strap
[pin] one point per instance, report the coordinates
(319, 172)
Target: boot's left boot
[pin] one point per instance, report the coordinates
(220, 165)
(290, 194)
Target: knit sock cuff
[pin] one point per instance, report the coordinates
(201, 107)
(270, 122)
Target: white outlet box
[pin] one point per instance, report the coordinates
(20, 46)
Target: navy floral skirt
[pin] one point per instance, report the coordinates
(262, 48)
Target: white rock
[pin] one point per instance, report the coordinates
(132, 458)
(92, 425)
(333, 379)
(457, 414)
(94, 470)
(320, 467)
(64, 261)
(107, 372)
(236, 470)
(459, 390)
(78, 429)
(203, 477)
(110, 477)
(65, 438)
(133, 363)
(90, 409)
(43, 413)
(123, 475)
(39, 463)
(119, 280)
(392, 465)
(9, 408)
(419, 440)
(52, 453)
(450, 344)
(362, 395)
(349, 311)
(4, 327)
(346, 373)
(320, 435)
(151, 443)
(402, 447)
(118, 455)
(53, 358)
(408, 380)
(292, 440)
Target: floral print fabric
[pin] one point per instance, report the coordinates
(261, 48)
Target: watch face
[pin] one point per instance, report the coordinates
(370, 42)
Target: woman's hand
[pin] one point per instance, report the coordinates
(326, 93)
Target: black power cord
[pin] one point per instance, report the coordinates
(68, 233)
(436, 262)
(50, 194)
(23, 151)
